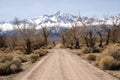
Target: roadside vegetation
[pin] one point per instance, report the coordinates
(24, 45)
(98, 44)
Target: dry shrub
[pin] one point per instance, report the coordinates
(62, 46)
(4, 58)
(6, 64)
(37, 53)
(17, 63)
(5, 67)
(19, 54)
(116, 54)
(23, 58)
(41, 52)
(113, 50)
(72, 46)
(108, 62)
(90, 50)
(14, 68)
(110, 57)
(96, 50)
(7, 50)
(50, 46)
(86, 50)
(34, 57)
(91, 57)
(2, 49)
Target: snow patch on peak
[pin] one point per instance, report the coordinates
(6, 27)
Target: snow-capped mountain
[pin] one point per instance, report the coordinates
(58, 18)
(63, 19)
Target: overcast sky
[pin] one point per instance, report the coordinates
(33, 8)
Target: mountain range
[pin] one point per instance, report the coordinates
(58, 18)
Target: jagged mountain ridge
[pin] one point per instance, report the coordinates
(58, 17)
(63, 19)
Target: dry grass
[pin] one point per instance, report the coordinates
(37, 53)
(86, 50)
(11, 62)
(91, 57)
(19, 54)
(34, 57)
(6, 64)
(108, 62)
(110, 57)
(113, 50)
(40, 52)
(50, 46)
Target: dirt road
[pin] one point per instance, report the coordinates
(61, 64)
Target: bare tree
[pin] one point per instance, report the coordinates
(115, 30)
(112, 31)
(89, 32)
(2, 40)
(88, 35)
(71, 36)
(26, 34)
(11, 40)
(101, 39)
(62, 34)
(46, 32)
(75, 30)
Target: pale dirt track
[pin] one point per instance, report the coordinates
(61, 64)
